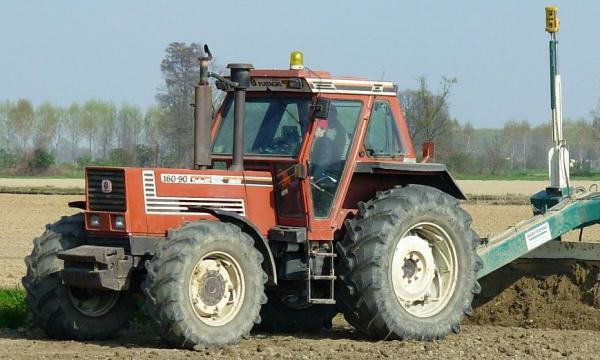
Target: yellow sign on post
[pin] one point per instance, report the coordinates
(552, 22)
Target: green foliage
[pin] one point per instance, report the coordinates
(83, 161)
(40, 160)
(581, 168)
(145, 155)
(459, 162)
(13, 313)
(120, 157)
(7, 160)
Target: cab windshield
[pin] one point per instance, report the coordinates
(274, 126)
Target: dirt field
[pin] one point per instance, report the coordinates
(542, 317)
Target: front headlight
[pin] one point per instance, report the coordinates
(95, 221)
(119, 222)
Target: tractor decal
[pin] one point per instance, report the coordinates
(169, 205)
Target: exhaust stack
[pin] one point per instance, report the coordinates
(203, 115)
(240, 75)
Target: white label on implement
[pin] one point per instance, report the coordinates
(538, 236)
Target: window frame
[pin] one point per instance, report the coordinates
(399, 137)
(227, 106)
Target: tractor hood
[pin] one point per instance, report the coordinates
(151, 201)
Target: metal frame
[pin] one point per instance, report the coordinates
(573, 212)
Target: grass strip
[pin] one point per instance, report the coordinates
(41, 190)
(507, 199)
(13, 313)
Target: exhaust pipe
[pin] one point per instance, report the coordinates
(203, 115)
(240, 75)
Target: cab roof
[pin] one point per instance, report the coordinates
(316, 82)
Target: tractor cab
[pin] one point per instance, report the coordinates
(308, 129)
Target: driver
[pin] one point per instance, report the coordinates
(328, 147)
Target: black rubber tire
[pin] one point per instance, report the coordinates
(48, 299)
(167, 285)
(365, 292)
(278, 317)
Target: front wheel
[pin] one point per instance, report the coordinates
(66, 312)
(205, 285)
(408, 266)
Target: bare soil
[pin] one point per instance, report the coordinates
(555, 315)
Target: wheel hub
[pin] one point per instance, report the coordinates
(92, 303)
(413, 268)
(424, 269)
(216, 288)
(212, 288)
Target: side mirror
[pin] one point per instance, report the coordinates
(321, 108)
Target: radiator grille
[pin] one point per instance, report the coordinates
(101, 201)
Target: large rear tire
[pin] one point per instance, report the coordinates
(65, 312)
(205, 285)
(408, 266)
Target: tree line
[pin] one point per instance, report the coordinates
(518, 146)
(32, 139)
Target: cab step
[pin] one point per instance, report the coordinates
(321, 253)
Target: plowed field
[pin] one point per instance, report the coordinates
(537, 317)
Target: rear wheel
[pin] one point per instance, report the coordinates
(408, 265)
(205, 285)
(66, 312)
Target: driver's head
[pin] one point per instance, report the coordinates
(322, 125)
(330, 123)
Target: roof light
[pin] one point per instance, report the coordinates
(296, 60)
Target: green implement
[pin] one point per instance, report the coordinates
(576, 211)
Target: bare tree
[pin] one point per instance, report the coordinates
(48, 119)
(73, 122)
(21, 119)
(468, 134)
(427, 113)
(129, 126)
(516, 134)
(180, 71)
(105, 114)
(6, 130)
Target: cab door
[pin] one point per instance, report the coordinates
(328, 165)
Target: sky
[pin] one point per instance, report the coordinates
(65, 51)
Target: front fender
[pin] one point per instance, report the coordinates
(249, 228)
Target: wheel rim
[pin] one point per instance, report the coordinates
(216, 288)
(92, 303)
(424, 269)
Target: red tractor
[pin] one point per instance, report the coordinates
(305, 200)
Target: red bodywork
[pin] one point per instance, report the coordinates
(161, 199)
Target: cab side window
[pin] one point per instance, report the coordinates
(382, 137)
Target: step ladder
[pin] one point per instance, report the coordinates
(321, 251)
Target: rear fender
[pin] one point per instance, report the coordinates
(430, 174)
(260, 243)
